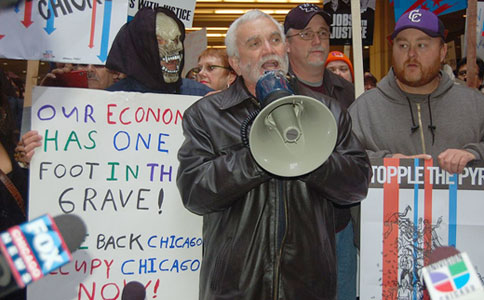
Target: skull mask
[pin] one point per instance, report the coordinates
(170, 47)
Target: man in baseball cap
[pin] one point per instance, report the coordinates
(300, 16)
(307, 29)
(416, 110)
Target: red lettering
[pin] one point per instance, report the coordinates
(156, 116)
(60, 272)
(170, 115)
(95, 263)
(121, 117)
(137, 117)
(110, 113)
(140, 114)
(178, 116)
(116, 290)
(108, 267)
(83, 287)
(83, 265)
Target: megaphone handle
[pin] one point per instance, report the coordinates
(244, 128)
(293, 83)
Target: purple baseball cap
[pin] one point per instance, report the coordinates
(300, 16)
(422, 20)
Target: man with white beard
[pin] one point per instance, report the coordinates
(265, 236)
(416, 110)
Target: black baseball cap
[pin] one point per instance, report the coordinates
(299, 16)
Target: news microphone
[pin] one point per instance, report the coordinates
(31, 250)
(133, 291)
(451, 275)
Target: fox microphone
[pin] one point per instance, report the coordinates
(451, 275)
(133, 291)
(33, 249)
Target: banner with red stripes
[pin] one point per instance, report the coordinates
(412, 207)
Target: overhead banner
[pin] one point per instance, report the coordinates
(61, 31)
(439, 7)
(412, 208)
(183, 9)
(111, 158)
(341, 27)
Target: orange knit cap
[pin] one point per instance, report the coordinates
(336, 55)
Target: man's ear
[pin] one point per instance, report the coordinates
(232, 76)
(234, 63)
(443, 52)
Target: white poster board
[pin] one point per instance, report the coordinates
(70, 31)
(195, 43)
(480, 30)
(183, 9)
(413, 207)
(111, 158)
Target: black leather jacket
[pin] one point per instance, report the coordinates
(265, 237)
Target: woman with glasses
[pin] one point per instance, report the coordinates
(214, 70)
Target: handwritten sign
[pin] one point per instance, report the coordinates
(183, 9)
(111, 158)
(412, 208)
(62, 31)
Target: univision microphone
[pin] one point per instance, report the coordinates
(133, 290)
(33, 249)
(451, 275)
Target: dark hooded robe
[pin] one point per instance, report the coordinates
(135, 53)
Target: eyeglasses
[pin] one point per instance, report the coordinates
(308, 35)
(209, 68)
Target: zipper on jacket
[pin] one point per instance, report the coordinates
(282, 214)
(421, 128)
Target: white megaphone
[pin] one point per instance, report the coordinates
(293, 134)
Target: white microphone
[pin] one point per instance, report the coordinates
(451, 275)
(33, 249)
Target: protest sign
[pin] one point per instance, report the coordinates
(111, 158)
(341, 27)
(412, 208)
(479, 30)
(440, 7)
(183, 9)
(62, 31)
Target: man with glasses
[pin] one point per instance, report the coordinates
(71, 75)
(307, 31)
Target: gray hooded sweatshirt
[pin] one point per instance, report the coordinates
(388, 121)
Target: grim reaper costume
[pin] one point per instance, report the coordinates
(149, 50)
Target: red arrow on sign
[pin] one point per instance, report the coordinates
(93, 24)
(27, 14)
